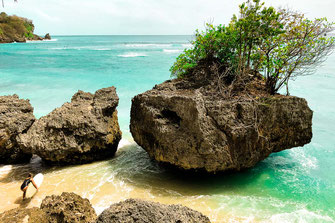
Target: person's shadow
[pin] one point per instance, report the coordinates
(24, 203)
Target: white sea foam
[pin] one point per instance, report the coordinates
(41, 41)
(143, 45)
(300, 216)
(103, 49)
(82, 48)
(124, 143)
(50, 40)
(171, 51)
(306, 161)
(132, 54)
(4, 170)
(187, 45)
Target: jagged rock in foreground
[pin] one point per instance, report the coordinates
(24, 215)
(82, 131)
(68, 208)
(135, 210)
(187, 125)
(16, 116)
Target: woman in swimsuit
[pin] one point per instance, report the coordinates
(25, 184)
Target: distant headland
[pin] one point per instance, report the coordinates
(17, 29)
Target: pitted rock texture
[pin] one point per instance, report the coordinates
(23, 215)
(16, 116)
(68, 208)
(135, 210)
(82, 131)
(181, 123)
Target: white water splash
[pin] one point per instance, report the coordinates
(132, 54)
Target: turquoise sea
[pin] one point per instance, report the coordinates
(296, 185)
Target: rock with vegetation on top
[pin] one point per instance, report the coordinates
(68, 208)
(16, 29)
(24, 215)
(16, 116)
(82, 131)
(185, 123)
(135, 210)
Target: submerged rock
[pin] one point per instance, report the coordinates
(82, 131)
(24, 215)
(183, 124)
(68, 208)
(16, 116)
(135, 210)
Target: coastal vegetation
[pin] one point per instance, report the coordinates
(15, 28)
(279, 44)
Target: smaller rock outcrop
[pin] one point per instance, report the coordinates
(135, 210)
(82, 131)
(24, 215)
(47, 36)
(68, 208)
(16, 116)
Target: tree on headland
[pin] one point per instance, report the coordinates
(279, 44)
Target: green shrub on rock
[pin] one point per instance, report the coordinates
(279, 44)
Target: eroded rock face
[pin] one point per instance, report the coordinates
(82, 131)
(23, 215)
(68, 208)
(16, 116)
(182, 124)
(135, 210)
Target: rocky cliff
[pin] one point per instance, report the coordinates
(16, 117)
(84, 130)
(16, 29)
(187, 124)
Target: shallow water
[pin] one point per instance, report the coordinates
(296, 185)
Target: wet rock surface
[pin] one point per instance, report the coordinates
(16, 117)
(68, 208)
(24, 215)
(82, 131)
(184, 124)
(135, 210)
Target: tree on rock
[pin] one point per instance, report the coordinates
(279, 44)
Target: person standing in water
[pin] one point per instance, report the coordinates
(25, 184)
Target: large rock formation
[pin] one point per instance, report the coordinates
(82, 131)
(24, 215)
(68, 208)
(186, 124)
(16, 116)
(135, 210)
